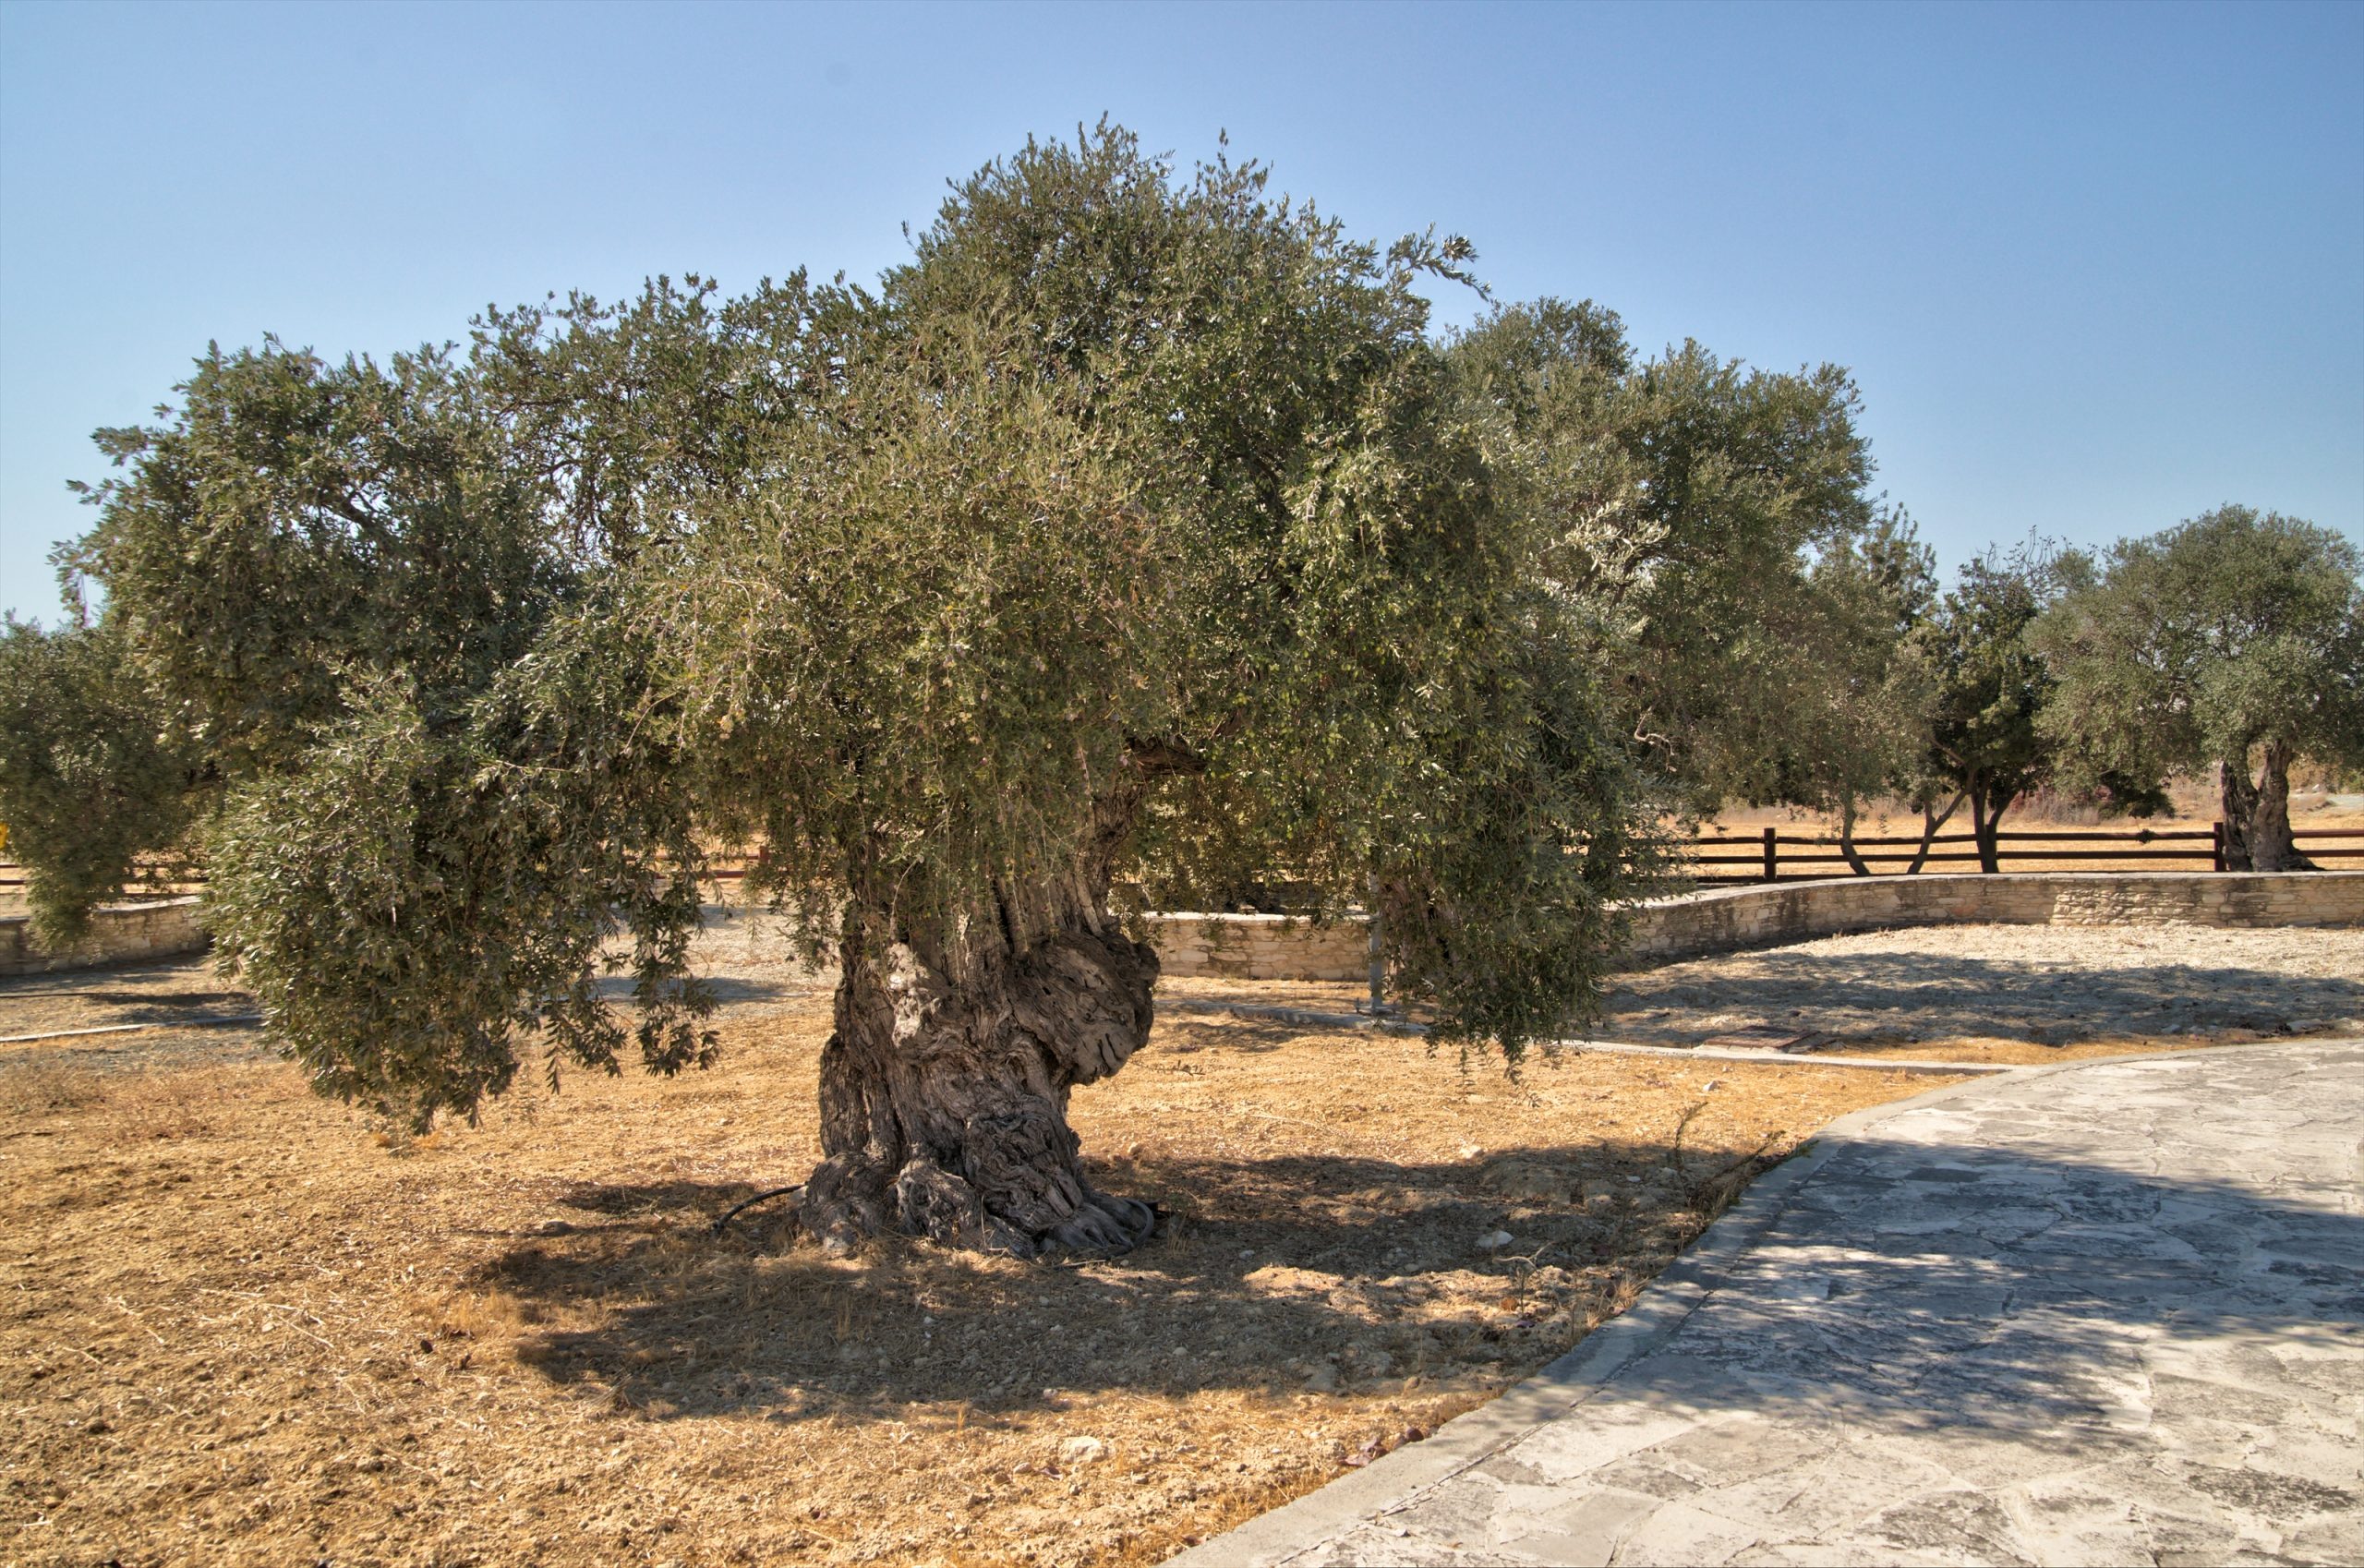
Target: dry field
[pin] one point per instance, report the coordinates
(244, 1328)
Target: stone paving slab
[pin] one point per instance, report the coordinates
(2102, 1313)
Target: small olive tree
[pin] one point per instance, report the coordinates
(1987, 687)
(2235, 639)
(93, 773)
(1135, 521)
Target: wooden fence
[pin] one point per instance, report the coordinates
(1776, 856)
(1773, 855)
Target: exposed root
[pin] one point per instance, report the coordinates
(849, 1202)
(738, 1209)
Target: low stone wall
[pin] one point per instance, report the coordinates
(119, 933)
(1260, 946)
(1729, 919)
(1282, 948)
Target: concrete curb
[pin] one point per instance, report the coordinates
(1558, 1388)
(1263, 1011)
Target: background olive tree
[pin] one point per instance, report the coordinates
(1746, 597)
(2235, 639)
(93, 774)
(1987, 685)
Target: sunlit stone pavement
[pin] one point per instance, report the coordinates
(2104, 1314)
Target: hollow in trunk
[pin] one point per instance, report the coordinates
(2257, 814)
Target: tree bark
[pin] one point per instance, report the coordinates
(2268, 840)
(944, 1089)
(1985, 823)
(2237, 799)
(1930, 823)
(944, 1107)
(1847, 836)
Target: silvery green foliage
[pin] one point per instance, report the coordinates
(1133, 480)
(93, 775)
(1988, 684)
(1704, 517)
(414, 899)
(1138, 523)
(432, 783)
(2236, 631)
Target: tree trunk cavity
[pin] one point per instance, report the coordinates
(2257, 814)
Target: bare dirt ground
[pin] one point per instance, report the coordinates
(244, 1328)
(2021, 993)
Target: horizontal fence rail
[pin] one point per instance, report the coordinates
(1775, 856)
(1772, 855)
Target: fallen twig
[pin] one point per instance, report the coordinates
(737, 1209)
(130, 1027)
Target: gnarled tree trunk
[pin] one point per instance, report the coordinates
(2257, 815)
(944, 1089)
(944, 1107)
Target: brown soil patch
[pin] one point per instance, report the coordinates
(242, 1329)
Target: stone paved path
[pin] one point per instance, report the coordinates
(2111, 1313)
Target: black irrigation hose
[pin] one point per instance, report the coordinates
(735, 1210)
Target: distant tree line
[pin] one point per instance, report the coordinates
(1138, 531)
(2230, 645)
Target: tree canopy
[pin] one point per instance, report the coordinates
(2235, 639)
(1987, 686)
(1138, 527)
(1710, 519)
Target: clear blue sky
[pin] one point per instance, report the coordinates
(2097, 268)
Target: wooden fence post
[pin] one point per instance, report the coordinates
(2217, 843)
(1772, 856)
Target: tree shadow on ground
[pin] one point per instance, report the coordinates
(1938, 995)
(1283, 1274)
(1266, 1274)
(727, 988)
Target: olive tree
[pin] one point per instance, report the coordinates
(1860, 719)
(1135, 522)
(92, 772)
(2235, 639)
(1987, 686)
(1714, 522)
(425, 786)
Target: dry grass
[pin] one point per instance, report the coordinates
(241, 1329)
